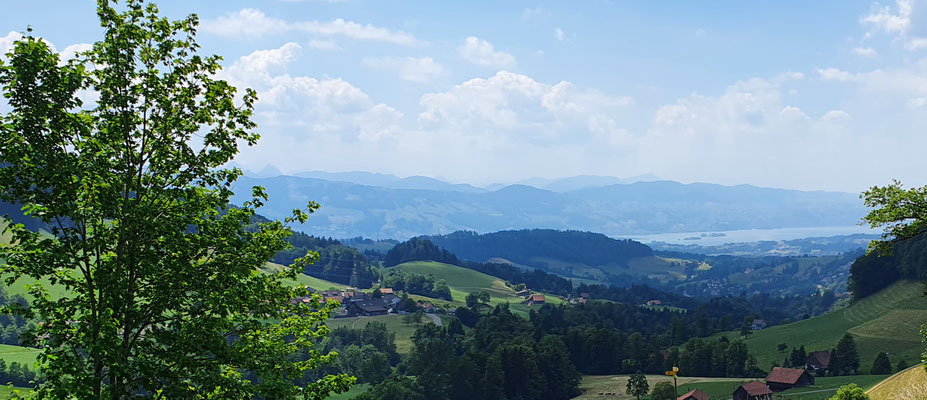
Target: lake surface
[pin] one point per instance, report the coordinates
(749, 235)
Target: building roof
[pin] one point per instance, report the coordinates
(695, 394)
(372, 305)
(759, 322)
(821, 358)
(756, 388)
(785, 375)
(537, 297)
(386, 290)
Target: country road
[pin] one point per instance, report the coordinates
(435, 318)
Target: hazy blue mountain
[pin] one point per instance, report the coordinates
(350, 209)
(587, 181)
(388, 181)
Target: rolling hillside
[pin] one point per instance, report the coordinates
(464, 281)
(910, 384)
(887, 321)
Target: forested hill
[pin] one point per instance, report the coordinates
(872, 272)
(527, 246)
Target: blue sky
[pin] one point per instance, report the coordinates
(825, 95)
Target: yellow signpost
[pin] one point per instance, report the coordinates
(673, 373)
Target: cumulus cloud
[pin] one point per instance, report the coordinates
(482, 53)
(558, 33)
(301, 105)
(889, 19)
(518, 106)
(6, 42)
(834, 74)
(411, 69)
(250, 22)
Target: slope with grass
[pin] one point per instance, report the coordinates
(887, 321)
(23, 355)
(614, 386)
(393, 323)
(910, 384)
(463, 281)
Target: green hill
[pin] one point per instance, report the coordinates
(910, 384)
(887, 321)
(463, 281)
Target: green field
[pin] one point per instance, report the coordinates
(886, 321)
(613, 386)
(393, 323)
(352, 393)
(7, 392)
(23, 355)
(463, 281)
(910, 384)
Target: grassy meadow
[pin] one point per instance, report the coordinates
(393, 323)
(910, 384)
(22, 355)
(887, 321)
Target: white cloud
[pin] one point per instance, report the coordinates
(834, 74)
(916, 43)
(701, 32)
(250, 22)
(482, 53)
(72, 50)
(411, 69)
(888, 19)
(326, 45)
(558, 33)
(865, 52)
(518, 108)
(6, 42)
(531, 13)
(306, 106)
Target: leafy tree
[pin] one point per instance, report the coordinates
(850, 392)
(479, 298)
(637, 385)
(902, 214)
(882, 365)
(394, 388)
(847, 355)
(663, 391)
(781, 347)
(411, 318)
(164, 293)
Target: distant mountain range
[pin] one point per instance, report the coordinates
(390, 207)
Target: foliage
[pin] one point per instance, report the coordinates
(845, 358)
(663, 391)
(537, 279)
(850, 392)
(475, 299)
(882, 365)
(902, 365)
(336, 262)
(415, 283)
(637, 385)
(163, 290)
(395, 388)
(417, 249)
(523, 246)
(900, 213)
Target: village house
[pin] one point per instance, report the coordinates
(780, 379)
(818, 360)
(755, 390)
(368, 308)
(696, 394)
(655, 303)
(523, 293)
(759, 324)
(534, 299)
(386, 290)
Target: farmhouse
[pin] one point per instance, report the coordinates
(818, 360)
(368, 308)
(755, 390)
(386, 290)
(694, 395)
(759, 324)
(787, 378)
(534, 299)
(655, 303)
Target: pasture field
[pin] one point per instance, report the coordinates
(887, 321)
(910, 384)
(393, 323)
(463, 281)
(613, 386)
(355, 390)
(23, 355)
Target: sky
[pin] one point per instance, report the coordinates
(824, 95)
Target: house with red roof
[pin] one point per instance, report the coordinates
(780, 379)
(818, 360)
(755, 390)
(696, 394)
